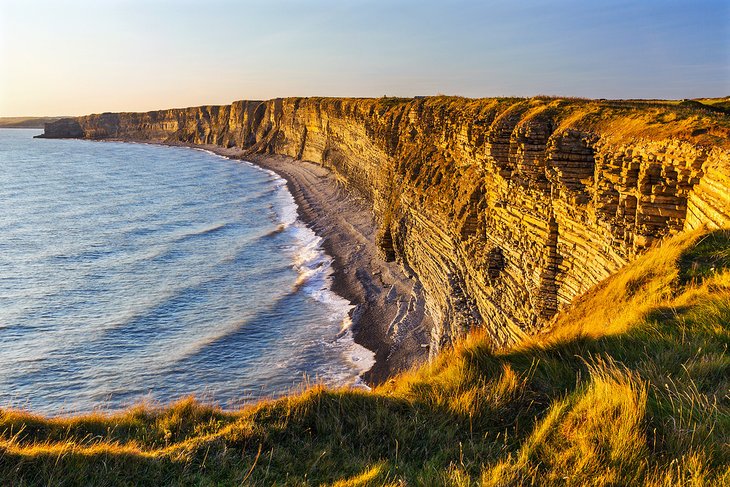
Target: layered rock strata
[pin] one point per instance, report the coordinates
(503, 210)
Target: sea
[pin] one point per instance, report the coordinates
(138, 273)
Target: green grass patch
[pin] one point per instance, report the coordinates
(711, 254)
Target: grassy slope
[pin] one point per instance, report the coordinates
(630, 386)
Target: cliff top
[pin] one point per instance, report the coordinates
(26, 122)
(703, 122)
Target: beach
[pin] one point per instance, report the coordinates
(389, 316)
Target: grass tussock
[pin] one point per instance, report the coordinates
(630, 386)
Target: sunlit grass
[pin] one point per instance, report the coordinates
(629, 387)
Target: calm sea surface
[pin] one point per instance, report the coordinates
(133, 272)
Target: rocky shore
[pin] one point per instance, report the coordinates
(389, 316)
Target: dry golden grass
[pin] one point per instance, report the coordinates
(630, 387)
(624, 297)
(700, 122)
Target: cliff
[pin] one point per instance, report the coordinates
(504, 210)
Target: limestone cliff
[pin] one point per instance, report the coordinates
(504, 209)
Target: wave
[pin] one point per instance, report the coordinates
(202, 231)
(358, 356)
(314, 268)
(155, 319)
(311, 263)
(179, 235)
(276, 231)
(257, 323)
(166, 249)
(208, 151)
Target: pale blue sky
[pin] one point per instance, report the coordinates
(76, 57)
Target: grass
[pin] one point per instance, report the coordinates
(26, 122)
(630, 386)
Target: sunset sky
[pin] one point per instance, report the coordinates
(77, 57)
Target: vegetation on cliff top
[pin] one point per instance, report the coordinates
(702, 122)
(629, 386)
(26, 122)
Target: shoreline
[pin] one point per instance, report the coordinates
(389, 315)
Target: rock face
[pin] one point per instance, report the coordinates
(504, 210)
(65, 128)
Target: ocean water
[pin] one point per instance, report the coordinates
(139, 273)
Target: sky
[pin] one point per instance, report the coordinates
(66, 57)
